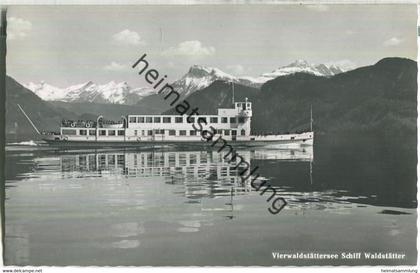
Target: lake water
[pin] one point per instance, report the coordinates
(186, 206)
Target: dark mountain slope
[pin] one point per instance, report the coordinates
(155, 103)
(218, 95)
(380, 97)
(43, 114)
(109, 111)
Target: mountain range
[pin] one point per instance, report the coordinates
(198, 77)
(112, 92)
(378, 100)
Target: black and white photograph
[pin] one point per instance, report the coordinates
(222, 135)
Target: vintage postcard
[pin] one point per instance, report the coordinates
(209, 135)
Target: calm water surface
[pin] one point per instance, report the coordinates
(180, 206)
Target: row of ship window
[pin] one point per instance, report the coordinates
(146, 160)
(92, 132)
(190, 119)
(183, 132)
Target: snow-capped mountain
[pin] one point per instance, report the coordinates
(45, 91)
(199, 77)
(112, 92)
(304, 67)
(298, 66)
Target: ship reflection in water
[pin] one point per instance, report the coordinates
(203, 173)
(179, 207)
(213, 171)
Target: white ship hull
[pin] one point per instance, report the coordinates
(273, 141)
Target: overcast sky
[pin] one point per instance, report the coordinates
(66, 45)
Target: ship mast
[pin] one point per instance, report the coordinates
(233, 94)
(311, 118)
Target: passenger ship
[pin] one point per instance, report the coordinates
(232, 124)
